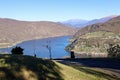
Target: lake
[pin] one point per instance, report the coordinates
(38, 47)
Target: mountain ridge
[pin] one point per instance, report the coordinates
(80, 23)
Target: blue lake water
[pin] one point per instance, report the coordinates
(38, 47)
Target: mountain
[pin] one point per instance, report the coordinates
(79, 23)
(101, 20)
(94, 40)
(14, 31)
(75, 22)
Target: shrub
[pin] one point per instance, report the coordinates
(113, 50)
(17, 50)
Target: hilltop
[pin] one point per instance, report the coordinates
(95, 38)
(14, 31)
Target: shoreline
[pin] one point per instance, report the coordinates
(13, 44)
(90, 55)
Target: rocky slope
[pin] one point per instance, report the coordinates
(12, 31)
(94, 40)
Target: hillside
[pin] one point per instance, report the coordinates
(18, 67)
(13, 31)
(94, 39)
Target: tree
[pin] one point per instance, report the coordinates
(49, 49)
(17, 50)
(113, 50)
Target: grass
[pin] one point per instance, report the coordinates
(71, 73)
(88, 73)
(18, 67)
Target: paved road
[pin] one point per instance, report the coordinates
(97, 62)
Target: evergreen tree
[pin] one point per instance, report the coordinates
(17, 50)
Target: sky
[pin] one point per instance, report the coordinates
(58, 10)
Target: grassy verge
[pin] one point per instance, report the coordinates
(79, 72)
(71, 73)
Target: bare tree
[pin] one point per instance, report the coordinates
(48, 47)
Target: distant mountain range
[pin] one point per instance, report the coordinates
(79, 23)
(75, 22)
(14, 31)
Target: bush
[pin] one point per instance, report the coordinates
(72, 54)
(114, 50)
(17, 50)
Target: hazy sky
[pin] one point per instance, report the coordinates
(58, 10)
